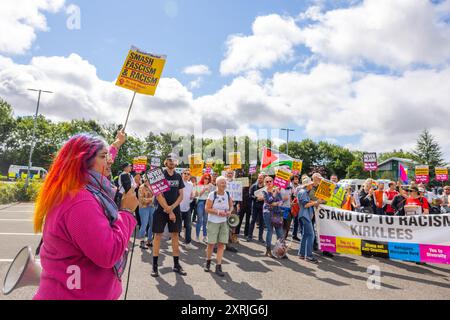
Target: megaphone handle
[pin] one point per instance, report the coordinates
(38, 249)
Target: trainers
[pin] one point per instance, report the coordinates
(207, 267)
(296, 238)
(190, 246)
(155, 273)
(142, 245)
(205, 239)
(219, 271)
(312, 260)
(248, 239)
(327, 254)
(261, 240)
(178, 269)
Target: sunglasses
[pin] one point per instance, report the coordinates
(186, 173)
(270, 181)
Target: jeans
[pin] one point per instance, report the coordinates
(186, 218)
(243, 213)
(146, 220)
(202, 218)
(306, 246)
(270, 227)
(257, 214)
(295, 231)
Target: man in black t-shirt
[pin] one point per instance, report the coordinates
(168, 213)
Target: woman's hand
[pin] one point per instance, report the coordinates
(121, 137)
(129, 201)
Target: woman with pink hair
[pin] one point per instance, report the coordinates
(85, 235)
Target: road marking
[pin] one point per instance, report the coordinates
(20, 234)
(18, 220)
(11, 260)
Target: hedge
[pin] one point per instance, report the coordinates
(14, 192)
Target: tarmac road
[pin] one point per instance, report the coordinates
(249, 274)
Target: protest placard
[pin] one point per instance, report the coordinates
(325, 190)
(441, 174)
(235, 160)
(157, 181)
(155, 162)
(140, 164)
(235, 190)
(370, 161)
(282, 178)
(196, 164)
(297, 167)
(422, 174)
(141, 71)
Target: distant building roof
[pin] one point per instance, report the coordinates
(397, 159)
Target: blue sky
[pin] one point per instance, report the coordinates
(358, 73)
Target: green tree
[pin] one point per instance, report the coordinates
(428, 151)
(395, 154)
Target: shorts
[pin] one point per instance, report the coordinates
(161, 219)
(218, 232)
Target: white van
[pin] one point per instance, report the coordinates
(16, 172)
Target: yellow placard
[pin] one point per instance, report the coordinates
(141, 71)
(196, 165)
(348, 245)
(441, 170)
(325, 190)
(297, 166)
(422, 171)
(283, 174)
(235, 160)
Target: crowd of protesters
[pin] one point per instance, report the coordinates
(91, 223)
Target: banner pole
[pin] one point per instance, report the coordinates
(129, 110)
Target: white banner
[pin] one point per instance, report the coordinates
(420, 238)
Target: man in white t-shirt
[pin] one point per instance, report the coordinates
(185, 207)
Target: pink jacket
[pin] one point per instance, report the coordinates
(80, 249)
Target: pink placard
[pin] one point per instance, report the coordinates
(434, 253)
(328, 243)
(422, 179)
(280, 183)
(442, 177)
(139, 167)
(370, 166)
(158, 182)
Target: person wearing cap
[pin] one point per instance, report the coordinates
(398, 203)
(168, 213)
(416, 199)
(305, 215)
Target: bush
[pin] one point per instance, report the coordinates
(13, 192)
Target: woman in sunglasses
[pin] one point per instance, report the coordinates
(273, 217)
(204, 188)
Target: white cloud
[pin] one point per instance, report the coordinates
(396, 34)
(272, 41)
(20, 20)
(197, 70)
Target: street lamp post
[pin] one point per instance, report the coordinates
(34, 133)
(287, 138)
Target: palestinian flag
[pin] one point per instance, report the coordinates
(272, 158)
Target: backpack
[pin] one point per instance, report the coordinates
(215, 197)
(295, 209)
